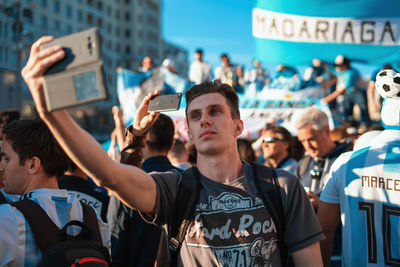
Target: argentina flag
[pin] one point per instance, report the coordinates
(132, 87)
(294, 32)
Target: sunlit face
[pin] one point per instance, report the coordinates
(211, 126)
(198, 56)
(225, 61)
(13, 173)
(314, 141)
(273, 145)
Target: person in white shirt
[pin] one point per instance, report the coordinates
(31, 163)
(200, 71)
(363, 191)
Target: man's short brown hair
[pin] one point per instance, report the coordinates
(215, 87)
(32, 138)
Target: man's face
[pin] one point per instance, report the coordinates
(314, 141)
(225, 61)
(211, 127)
(198, 56)
(13, 173)
(274, 146)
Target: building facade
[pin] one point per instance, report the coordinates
(130, 30)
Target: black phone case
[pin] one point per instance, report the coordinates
(165, 102)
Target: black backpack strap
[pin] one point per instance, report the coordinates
(90, 220)
(184, 207)
(3, 199)
(40, 223)
(268, 188)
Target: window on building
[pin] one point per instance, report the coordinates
(89, 19)
(6, 54)
(109, 10)
(127, 1)
(127, 33)
(127, 16)
(140, 34)
(117, 31)
(99, 5)
(57, 24)
(43, 3)
(128, 49)
(109, 27)
(5, 29)
(68, 11)
(43, 21)
(117, 14)
(57, 6)
(89, 2)
(80, 15)
(69, 29)
(99, 22)
(118, 48)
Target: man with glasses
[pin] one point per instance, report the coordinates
(277, 148)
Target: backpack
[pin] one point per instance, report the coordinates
(188, 195)
(60, 249)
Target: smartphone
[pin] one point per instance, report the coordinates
(78, 78)
(165, 102)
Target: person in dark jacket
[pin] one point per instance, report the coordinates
(133, 241)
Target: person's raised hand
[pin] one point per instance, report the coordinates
(314, 199)
(144, 120)
(118, 115)
(39, 61)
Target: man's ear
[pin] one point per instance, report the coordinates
(239, 127)
(190, 136)
(33, 165)
(327, 131)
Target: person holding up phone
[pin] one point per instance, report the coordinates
(240, 227)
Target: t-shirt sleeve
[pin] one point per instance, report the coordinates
(330, 192)
(302, 227)
(10, 239)
(167, 185)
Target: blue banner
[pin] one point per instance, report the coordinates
(293, 32)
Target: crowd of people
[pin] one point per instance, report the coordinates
(316, 197)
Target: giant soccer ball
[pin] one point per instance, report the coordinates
(388, 84)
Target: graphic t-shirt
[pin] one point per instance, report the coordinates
(231, 226)
(366, 184)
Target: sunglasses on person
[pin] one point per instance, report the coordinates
(272, 139)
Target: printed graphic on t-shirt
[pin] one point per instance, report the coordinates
(89, 200)
(236, 227)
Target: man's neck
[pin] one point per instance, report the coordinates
(148, 153)
(330, 146)
(277, 159)
(42, 182)
(220, 168)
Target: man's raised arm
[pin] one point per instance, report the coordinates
(132, 185)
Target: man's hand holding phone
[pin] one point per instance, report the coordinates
(145, 119)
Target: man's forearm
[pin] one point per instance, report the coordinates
(326, 249)
(309, 256)
(133, 186)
